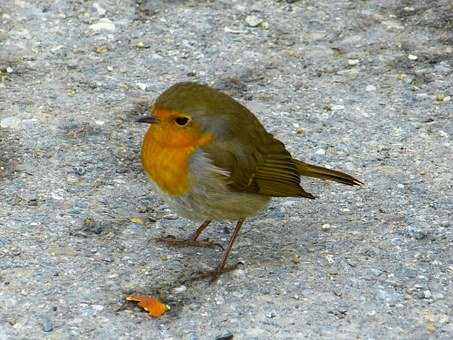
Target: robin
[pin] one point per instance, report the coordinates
(210, 158)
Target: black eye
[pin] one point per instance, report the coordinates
(182, 120)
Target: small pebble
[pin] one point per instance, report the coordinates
(10, 122)
(234, 31)
(103, 25)
(326, 227)
(427, 294)
(443, 134)
(253, 21)
(142, 86)
(180, 289)
(170, 217)
(9, 69)
(97, 307)
(393, 25)
(431, 327)
(412, 57)
(438, 296)
(353, 62)
(370, 88)
(329, 258)
(239, 273)
(226, 336)
(101, 49)
(136, 220)
(47, 325)
(101, 11)
(337, 107)
(219, 300)
(271, 314)
(28, 123)
(442, 98)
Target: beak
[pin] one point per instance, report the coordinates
(146, 119)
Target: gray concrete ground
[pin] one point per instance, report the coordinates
(363, 86)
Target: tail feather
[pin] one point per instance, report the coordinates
(316, 171)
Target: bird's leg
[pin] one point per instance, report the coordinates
(221, 266)
(199, 230)
(192, 240)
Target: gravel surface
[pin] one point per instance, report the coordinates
(362, 86)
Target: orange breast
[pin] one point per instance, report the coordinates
(167, 164)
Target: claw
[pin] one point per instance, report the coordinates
(173, 241)
(213, 275)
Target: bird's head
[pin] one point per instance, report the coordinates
(190, 114)
(175, 128)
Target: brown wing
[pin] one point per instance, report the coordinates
(263, 166)
(276, 174)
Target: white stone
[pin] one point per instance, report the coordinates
(10, 122)
(337, 107)
(412, 57)
(142, 86)
(231, 30)
(103, 25)
(253, 21)
(180, 289)
(56, 196)
(156, 56)
(326, 226)
(28, 123)
(390, 24)
(101, 11)
(370, 88)
(443, 134)
(219, 300)
(353, 62)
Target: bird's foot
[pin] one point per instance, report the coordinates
(213, 275)
(189, 242)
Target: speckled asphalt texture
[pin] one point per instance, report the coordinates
(362, 86)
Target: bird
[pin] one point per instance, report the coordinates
(210, 158)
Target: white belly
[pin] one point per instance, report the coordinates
(209, 197)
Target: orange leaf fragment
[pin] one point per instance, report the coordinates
(151, 304)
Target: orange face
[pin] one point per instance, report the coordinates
(168, 144)
(175, 129)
